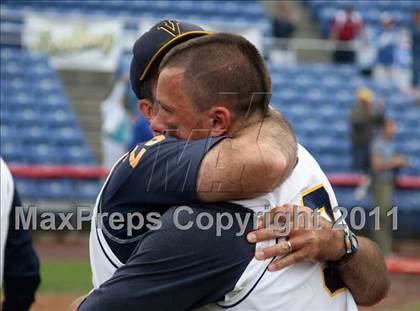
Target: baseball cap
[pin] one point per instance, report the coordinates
(365, 94)
(153, 45)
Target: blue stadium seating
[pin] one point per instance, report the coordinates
(59, 189)
(247, 13)
(318, 99)
(407, 202)
(39, 114)
(87, 189)
(38, 125)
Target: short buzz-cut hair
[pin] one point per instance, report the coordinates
(222, 68)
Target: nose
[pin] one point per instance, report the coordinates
(157, 125)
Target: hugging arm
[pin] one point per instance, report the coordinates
(257, 160)
(365, 274)
(253, 162)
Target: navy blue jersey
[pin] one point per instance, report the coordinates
(175, 269)
(152, 177)
(168, 268)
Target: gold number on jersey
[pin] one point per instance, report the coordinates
(317, 198)
(136, 155)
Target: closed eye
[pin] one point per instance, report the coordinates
(165, 107)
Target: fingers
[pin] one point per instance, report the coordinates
(278, 249)
(286, 261)
(276, 216)
(289, 228)
(267, 234)
(283, 248)
(305, 240)
(273, 232)
(280, 215)
(295, 223)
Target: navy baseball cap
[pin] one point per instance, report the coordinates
(153, 45)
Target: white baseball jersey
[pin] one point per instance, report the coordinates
(7, 190)
(302, 286)
(103, 261)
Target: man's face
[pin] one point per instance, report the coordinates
(365, 103)
(175, 112)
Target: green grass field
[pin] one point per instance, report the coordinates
(65, 276)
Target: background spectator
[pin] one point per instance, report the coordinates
(347, 26)
(385, 161)
(403, 62)
(388, 41)
(365, 118)
(283, 27)
(116, 125)
(415, 41)
(366, 53)
(283, 24)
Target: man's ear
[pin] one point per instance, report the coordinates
(146, 108)
(221, 119)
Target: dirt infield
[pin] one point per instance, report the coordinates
(53, 302)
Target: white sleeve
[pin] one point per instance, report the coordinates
(6, 197)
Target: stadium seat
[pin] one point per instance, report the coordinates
(56, 189)
(88, 189)
(44, 125)
(320, 112)
(244, 13)
(38, 132)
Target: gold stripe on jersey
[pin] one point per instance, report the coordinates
(331, 281)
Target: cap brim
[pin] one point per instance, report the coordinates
(169, 44)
